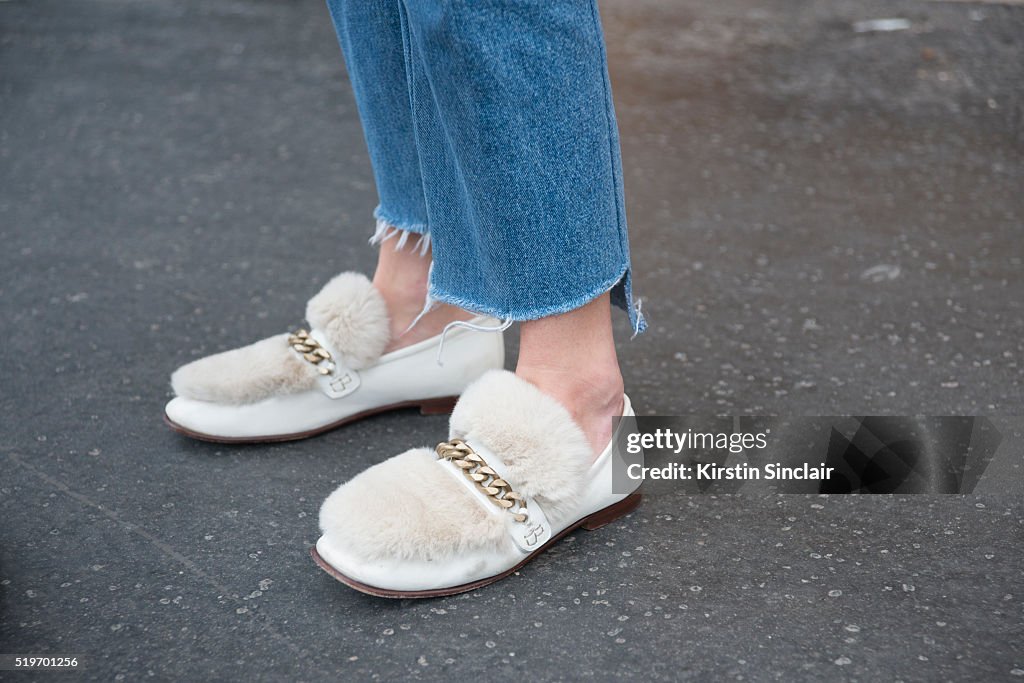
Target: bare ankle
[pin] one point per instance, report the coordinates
(592, 396)
(571, 357)
(401, 278)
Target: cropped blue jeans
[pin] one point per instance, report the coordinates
(492, 134)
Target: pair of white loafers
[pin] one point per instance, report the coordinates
(511, 479)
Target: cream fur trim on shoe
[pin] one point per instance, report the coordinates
(350, 312)
(292, 387)
(353, 315)
(544, 450)
(407, 507)
(416, 526)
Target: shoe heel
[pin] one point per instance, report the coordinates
(612, 512)
(438, 406)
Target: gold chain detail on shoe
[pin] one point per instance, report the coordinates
(497, 490)
(310, 349)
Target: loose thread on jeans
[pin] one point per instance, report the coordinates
(428, 306)
(428, 303)
(638, 312)
(469, 326)
(385, 231)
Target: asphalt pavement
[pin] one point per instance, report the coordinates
(827, 217)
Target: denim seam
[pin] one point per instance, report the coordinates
(407, 56)
(637, 321)
(432, 98)
(609, 122)
(436, 295)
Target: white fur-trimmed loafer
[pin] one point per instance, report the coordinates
(511, 480)
(292, 386)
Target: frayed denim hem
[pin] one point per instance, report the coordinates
(623, 299)
(388, 228)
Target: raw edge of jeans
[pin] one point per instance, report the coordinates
(387, 228)
(436, 295)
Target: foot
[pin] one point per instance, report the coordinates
(402, 312)
(401, 279)
(592, 396)
(512, 478)
(291, 386)
(571, 357)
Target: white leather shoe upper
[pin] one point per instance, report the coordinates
(353, 319)
(408, 374)
(397, 527)
(268, 390)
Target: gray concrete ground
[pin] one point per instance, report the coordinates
(823, 221)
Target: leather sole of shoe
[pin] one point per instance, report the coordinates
(429, 406)
(590, 523)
